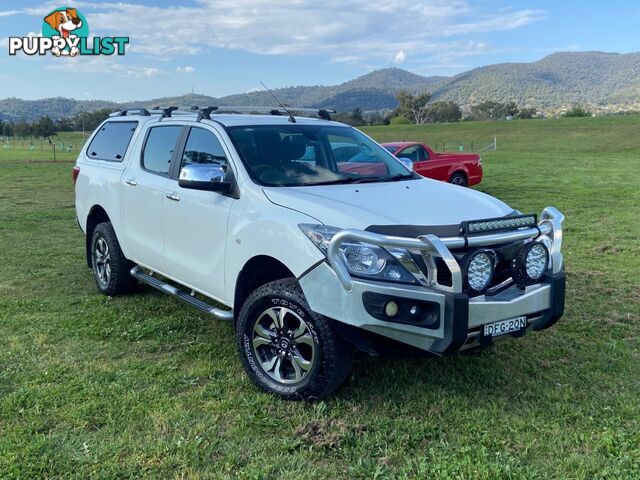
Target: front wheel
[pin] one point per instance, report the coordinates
(286, 348)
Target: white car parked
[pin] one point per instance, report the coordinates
(265, 221)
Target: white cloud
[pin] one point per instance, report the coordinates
(400, 57)
(187, 69)
(8, 13)
(354, 32)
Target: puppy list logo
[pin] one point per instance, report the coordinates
(65, 32)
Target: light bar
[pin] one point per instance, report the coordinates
(476, 227)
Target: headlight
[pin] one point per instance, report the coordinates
(363, 260)
(479, 268)
(530, 263)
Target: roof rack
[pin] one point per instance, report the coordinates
(166, 112)
(323, 113)
(205, 112)
(143, 112)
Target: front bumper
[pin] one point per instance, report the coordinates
(454, 322)
(448, 320)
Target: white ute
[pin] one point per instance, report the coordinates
(311, 238)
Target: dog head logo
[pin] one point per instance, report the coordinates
(65, 23)
(65, 33)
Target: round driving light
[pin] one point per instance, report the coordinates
(479, 268)
(391, 309)
(530, 263)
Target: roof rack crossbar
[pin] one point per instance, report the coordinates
(166, 112)
(323, 113)
(204, 113)
(140, 111)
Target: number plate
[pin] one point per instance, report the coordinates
(505, 326)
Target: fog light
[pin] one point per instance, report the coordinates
(479, 268)
(391, 309)
(530, 263)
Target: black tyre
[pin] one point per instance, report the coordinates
(286, 348)
(459, 178)
(111, 269)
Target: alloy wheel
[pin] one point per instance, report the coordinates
(283, 344)
(102, 259)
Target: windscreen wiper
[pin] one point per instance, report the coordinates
(392, 178)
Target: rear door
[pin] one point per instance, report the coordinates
(143, 195)
(195, 221)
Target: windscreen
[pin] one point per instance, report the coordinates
(296, 155)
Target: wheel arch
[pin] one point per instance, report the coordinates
(458, 169)
(97, 215)
(257, 271)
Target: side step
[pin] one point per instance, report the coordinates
(181, 294)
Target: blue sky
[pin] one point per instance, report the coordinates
(219, 47)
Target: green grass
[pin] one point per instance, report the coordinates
(39, 149)
(142, 386)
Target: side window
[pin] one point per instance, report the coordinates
(159, 147)
(203, 147)
(422, 154)
(111, 142)
(414, 153)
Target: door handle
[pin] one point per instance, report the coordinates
(131, 181)
(173, 196)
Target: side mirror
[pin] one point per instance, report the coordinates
(406, 162)
(204, 176)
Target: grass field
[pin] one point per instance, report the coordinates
(67, 145)
(142, 386)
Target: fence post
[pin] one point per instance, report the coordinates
(54, 152)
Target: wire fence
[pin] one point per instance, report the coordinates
(54, 148)
(465, 146)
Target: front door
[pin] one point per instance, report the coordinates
(195, 221)
(143, 196)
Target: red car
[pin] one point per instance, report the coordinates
(458, 168)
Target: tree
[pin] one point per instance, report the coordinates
(577, 111)
(44, 128)
(357, 117)
(22, 129)
(509, 110)
(399, 120)
(527, 112)
(445, 112)
(7, 129)
(492, 110)
(413, 107)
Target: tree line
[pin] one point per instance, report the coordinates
(411, 109)
(418, 109)
(46, 127)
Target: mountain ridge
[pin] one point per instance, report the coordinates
(601, 80)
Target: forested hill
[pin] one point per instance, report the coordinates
(603, 80)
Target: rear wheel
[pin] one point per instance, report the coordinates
(459, 178)
(286, 348)
(111, 270)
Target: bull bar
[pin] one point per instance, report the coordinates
(549, 230)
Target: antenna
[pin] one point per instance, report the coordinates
(291, 118)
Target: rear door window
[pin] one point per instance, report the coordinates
(159, 148)
(111, 142)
